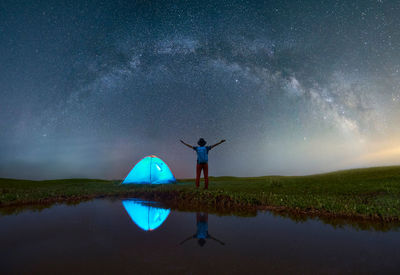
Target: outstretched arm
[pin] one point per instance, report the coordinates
(215, 239)
(185, 240)
(218, 143)
(188, 145)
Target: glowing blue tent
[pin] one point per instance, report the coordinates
(144, 215)
(150, 170)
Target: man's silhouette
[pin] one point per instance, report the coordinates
(202, 159)
(202, 231)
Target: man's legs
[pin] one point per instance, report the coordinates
(198, 172)
(205, 172)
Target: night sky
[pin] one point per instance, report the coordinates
(88, 88)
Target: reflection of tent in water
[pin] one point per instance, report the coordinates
(150, 170)
(145, 216)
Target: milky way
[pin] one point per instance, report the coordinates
(295, 87)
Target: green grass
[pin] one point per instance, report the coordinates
(372, 193)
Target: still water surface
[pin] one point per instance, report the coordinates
(136, 237)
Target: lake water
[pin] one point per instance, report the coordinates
(129, 236)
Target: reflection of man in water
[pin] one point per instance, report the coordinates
(202, 230)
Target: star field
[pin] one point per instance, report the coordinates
(295, 87)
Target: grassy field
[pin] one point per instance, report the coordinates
(372, 193)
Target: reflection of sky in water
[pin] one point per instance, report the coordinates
(96, 237)
(144, 215)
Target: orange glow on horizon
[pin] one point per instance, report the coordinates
(386, 154)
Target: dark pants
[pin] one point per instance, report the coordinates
(204, 167)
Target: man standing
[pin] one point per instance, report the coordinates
(202, 159)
